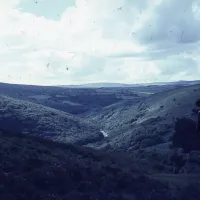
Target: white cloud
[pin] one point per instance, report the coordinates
(100, 41)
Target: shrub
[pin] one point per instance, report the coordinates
(185, 135)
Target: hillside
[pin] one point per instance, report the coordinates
(37, 169)
(79, 99)
(30, 118)
(74, 101)
(131, 126)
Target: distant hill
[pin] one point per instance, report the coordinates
(106, 85)
(71, 100)
(30, 118)
(79, 100)
(97, 85)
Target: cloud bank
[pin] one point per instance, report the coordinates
(127, 41)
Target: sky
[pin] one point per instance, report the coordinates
(65, 42)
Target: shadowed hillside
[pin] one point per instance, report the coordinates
(37, 169)
(34, 119)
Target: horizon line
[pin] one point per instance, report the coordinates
(95, 83)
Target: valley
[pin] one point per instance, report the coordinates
(132, 130)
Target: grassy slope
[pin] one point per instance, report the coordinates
(178, 103)
(114, 117)
(30, 118)
(149, 123)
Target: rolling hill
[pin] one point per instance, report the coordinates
(131, 125)
(74, 101)
(144, 150)
(80, 99)
(111, 85)
(30, 118)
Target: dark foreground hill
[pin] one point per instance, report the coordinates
(37, 169)
(30, 118)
